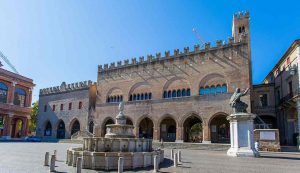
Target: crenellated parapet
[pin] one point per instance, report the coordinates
(242, 14)
(66, 87)
(157, 58)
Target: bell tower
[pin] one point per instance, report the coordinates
(241, 26)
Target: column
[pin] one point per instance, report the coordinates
(7, 126)
(206, 134)
(136, 132)
(179, 134)
(28, 98)
(24, 127)
(156, 134)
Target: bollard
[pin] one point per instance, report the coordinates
(175, 160)
(256, 146)
(172, 154)
(55, 153)
(52, 163)
(155, 164)
(120, 165)
(79, 165)
(179, 156)
(46, 163)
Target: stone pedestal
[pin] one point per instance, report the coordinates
(241, 135)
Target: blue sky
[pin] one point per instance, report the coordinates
(65, 40)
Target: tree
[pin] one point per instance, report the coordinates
(33, 116)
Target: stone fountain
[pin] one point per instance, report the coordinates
(119, 141)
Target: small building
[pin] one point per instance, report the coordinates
(15, 104)
(65, 110)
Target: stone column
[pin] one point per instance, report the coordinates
(156, 134)
(206, 133)
(179, 134)
(136, 131)
(28, 98)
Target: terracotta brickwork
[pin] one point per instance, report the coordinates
(15, 104)
(225, 65)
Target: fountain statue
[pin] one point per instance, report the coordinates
(119, 141)
(241, 127)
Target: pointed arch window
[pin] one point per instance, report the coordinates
(188, 92)
(183, 93)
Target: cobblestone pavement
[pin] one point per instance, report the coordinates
(29, 157)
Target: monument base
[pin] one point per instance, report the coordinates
(242, 152)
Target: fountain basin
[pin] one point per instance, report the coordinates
(119, 131)
(109, 160)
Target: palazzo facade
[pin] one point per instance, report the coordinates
(15, 104)
(168, 97)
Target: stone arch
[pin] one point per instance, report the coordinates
(184, 83)
(129, 120)
(47, 128)
(106, 121)
(192, 126)
(187, 115)
(212, 81)
(168, 128)
(74, 126)
(113, 94)
(139, 90)
(60, 129)
(18, 125)
(219, 128)
(145, 128)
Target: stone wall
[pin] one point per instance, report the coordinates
(267, 144)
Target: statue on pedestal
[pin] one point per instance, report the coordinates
(236, 103)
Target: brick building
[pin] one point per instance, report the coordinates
(65, 109)
(15, 104)
(166, 97)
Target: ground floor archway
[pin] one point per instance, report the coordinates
(220, 129)
(91, 127)
(17, 128)
(48, 129)
(106, 122)
(146, 128)
(75, 127)
(192, 129)
(61, 130)
(168, 130)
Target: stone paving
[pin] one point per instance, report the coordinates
(29, 157)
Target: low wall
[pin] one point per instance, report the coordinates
(268, 139)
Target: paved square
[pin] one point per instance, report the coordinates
(29, 158)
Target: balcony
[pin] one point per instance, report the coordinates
(10, 108)
(289, 98)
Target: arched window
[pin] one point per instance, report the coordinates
(178, 93)
(183, 92)
(202, 91)
(3, 93)
(146, 96)
(80, 105)
(118, 98)
(121, 98)
(134, 97)
(20, 96)
(138, 97)
(142, 96)
(130, 98)
(188, 92)
(150, 96)
(224, 88)
(174, 93)
(165, 95)
(169, 94)
(218, 89)
(115, 98)
(213, 89)
(111, 99)
(108, 100)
